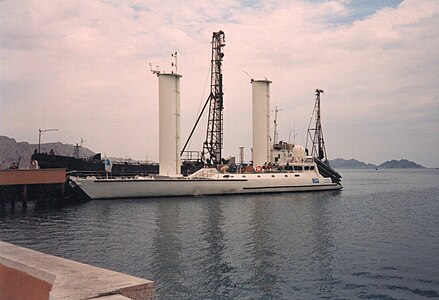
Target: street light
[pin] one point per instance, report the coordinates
(39, 136)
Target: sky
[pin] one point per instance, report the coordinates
(82, 67)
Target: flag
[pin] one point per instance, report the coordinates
(108, 165)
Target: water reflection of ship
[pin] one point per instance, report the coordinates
(264, 251)
(321, 232)
(218, 268)
(167, 245)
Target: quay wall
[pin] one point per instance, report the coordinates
(28, 274)
(46, 187)
(40, 176)
(18, 281)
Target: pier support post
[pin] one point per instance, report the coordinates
(12, 203)
(63, 191)
(2, 198)
(25, 194)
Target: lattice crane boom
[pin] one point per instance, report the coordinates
(214, 137)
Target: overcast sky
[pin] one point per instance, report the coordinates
(83, 67)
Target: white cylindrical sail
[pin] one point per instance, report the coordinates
(169, 124)
(261, 122)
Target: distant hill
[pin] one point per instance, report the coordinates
(340, 163)
(400, 164)
(12, 151)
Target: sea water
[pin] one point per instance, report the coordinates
(378, 238)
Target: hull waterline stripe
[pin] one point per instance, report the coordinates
(289, 186)
(166, 180)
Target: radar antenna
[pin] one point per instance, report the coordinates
(156, 71)
(174, 64)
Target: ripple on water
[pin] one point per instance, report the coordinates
(376, 239)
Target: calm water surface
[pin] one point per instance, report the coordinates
(378, 238)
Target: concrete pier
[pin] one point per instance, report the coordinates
(25, 185)
(28, 274)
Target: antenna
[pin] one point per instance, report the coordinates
(40, 131)
(294, 126)
(156, 71)
(241, 155)
(174, 64)
(275, 135)
(249, 76)
(294, 135)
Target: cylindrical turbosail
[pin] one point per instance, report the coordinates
(169, 124)
(261, 122)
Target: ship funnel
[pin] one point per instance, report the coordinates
(261, 122)
(169, 124)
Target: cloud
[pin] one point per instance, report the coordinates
(84, 68)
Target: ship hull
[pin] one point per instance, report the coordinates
(145, 188)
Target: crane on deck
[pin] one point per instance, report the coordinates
(213, 145)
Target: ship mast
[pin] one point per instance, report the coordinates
(275, 134)
(316, 134)
(214, 137)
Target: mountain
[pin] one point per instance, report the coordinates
(12, 151)
(400, 164)
(340, 163)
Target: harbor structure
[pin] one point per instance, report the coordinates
(31, 275)
(26, 184)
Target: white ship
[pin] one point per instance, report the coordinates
(294, 177)
(296, 172)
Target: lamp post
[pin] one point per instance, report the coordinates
(39, 136)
